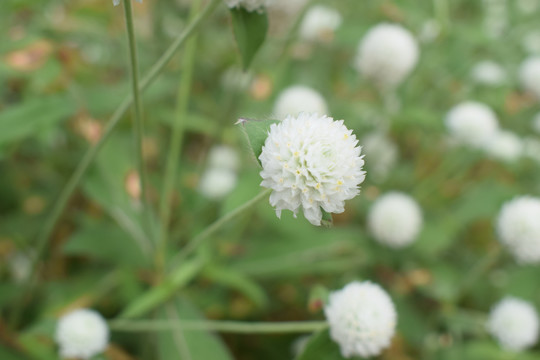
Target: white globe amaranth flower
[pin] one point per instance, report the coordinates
(223, 156)
(217, 182)
(381, 155)
(488, 73)
(387, 54)
(529, 75)
(518, 228)
(395, 219)
(362, 319)
(319, 23)
(236, 80)
(472, 123)
(311, 162)
(297, 99)
(514, 323)
(505, 145)
(82, 334)
(249, 5)
(536, 123)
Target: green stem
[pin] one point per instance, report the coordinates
(138, 127)
(221, 326)
(479, 270)
(215, 226)
(91, 153)
(175, 146)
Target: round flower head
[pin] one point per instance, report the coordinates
(529, 75)
(505, 146)
(387, 54)
(381, 154)
(488, 73)
(223, 156)
(297, 99)
(472, 123)
(362, 319)
(311, 162)
(216, 183)
(430, 31)
(514, 323)
(319, 23)
(518, 227)
(395, 219)
(82, 334)
(249, 5)
(536, 123)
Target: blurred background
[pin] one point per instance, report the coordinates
(64, 70)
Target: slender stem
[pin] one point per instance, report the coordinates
(215, 226)
(138, 128)
(221, 326)
(175, 146)
(91, 153)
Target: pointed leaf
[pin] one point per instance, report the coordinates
(256, 132)
(326, 220)
(249, 31)
(321, 347)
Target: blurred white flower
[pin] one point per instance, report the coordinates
(488, 73)
(528, 6)
(223, 156)
(395, 219)
(362, 319)
(429, 31)
(234, 79)
(387, 54)
(19, 266)
(296, 99)
(381, 155)
(311, 162)
(220, 176)
(117, 2)
(505, 145)
(514, 323)
(529, 75)
(472, 123)
(319, 23)
(518, 228)
(82, 334)
(249, 5)
(536, 123)
(531, 42)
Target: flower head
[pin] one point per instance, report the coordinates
(518, 227)
(488, 73)
(311, 162)
(319, 23)
(249, 5)
(387, 54)
(472, 123)
(395, 219)
(514, 323)
(82, 333)
(220, 176)
(362, 319)
(529, 75)
(505, 145)
(296, 99)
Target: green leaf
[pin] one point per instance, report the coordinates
(326, 220)
(249, 31)
(256, 132)
(186, 345)
(321, 347)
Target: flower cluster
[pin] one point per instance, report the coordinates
(472, 123)
(311, 162)
(362, 319)
(319, 23)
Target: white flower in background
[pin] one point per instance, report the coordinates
(429, 31)
(531, 42)
(19, 265)
(505, 145)
(472, 123)
(387, 54)
(488, 73)
(528, 6)
(395, 219)
(234, 79)
(82, 334)
(531, 148)
(514, 323)
(249, 5)
(381, 155)
(518, 227)
(362, 319)
(529, 75)
(220, 176)
(319, 23)
(311, 162)
(297, 99)
(496, 17)
(536, 123)
(117, 2)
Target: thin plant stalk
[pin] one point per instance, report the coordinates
(215, 226)
(175, 146)
(91, 153)
(237, 327)
(138, 128)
